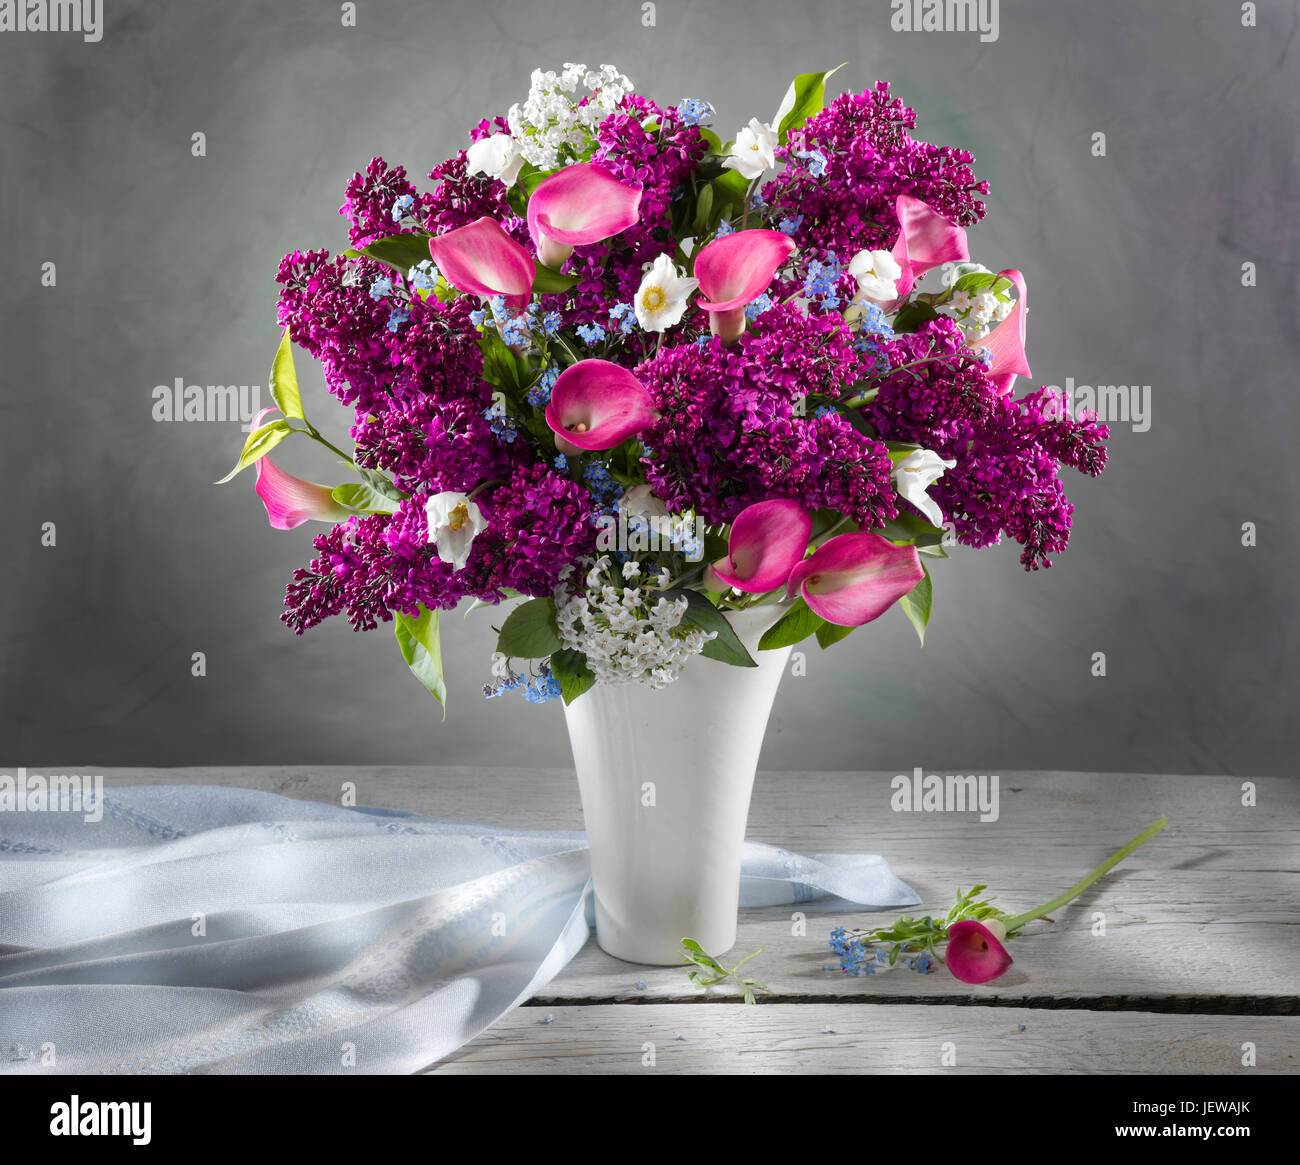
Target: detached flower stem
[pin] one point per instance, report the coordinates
(1017, 921)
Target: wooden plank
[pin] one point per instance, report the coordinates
(1204, 918)
(906, 1039)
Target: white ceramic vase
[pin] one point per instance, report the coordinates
(665, 778)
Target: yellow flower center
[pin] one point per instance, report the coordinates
(653, 298)
(458, 517)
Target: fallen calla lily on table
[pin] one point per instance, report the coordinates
(973, 932)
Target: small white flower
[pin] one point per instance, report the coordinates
(916, 473)
(497, 156)
(960, 301)
(876, 273)
(984, 306)
(754, 151)
(661, 299)
(454, 523)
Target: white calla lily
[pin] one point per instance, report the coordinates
(876, 273)
(662, 297)
(915, 474)
(754, 151)
(497, 156)
(454, 523)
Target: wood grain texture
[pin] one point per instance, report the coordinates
(793, 1038)
(1205, 917)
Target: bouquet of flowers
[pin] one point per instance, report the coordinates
(639, 377)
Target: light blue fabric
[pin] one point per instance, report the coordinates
(325, 928)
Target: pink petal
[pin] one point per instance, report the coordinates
(482, 259)
(974, 954)
(925, 239)
(739, 267)
(290, 501)
(1007, 340)
(855, 578)
(605, 398)
(767, 540)
(581, 204)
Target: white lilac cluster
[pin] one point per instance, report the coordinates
(628, 636)
(551, 127)
(976, 312)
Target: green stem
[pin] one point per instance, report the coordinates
(314, 434)
(1015, 922)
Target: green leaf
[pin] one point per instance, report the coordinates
(796, 624)
(421, 647)
(804, 99)
(730, 186)
(530, 177)
(829, 634)
(570, 669)
(363, 499)
(547, 280)
(715, 142)
(501, 366)
(912, 529)
(399, 251)
(284, 381)
(529, 631)
(726, 647)
(380, 484)
(913, 315)
(259, 443)
(977, 281)
(916, 605)
(703, 209)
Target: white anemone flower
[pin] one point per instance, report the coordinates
(876, 273)
(497, 156)
(915, 474)
(754, 151)
(661, 299)
(454, 523)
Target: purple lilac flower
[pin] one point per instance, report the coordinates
(734, 430)
(864, 157)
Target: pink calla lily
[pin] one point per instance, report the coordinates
(734, 270)
(580, 204)
(768, 540)
(482, 259)
(975, 954)
(1007, 340)
(596, 405)
(289, 500)
(925, 239)
(855, 578)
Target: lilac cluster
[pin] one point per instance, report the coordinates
(847, 165)
(369, 199)
(741, 424)
(1008, 450)
(661, 159)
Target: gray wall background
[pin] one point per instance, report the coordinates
(165, 266)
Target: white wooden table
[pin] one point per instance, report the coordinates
(1198, 970)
